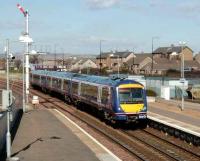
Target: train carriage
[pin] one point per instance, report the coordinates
(117, 99)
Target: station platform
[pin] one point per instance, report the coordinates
(170, 113)
(48, 135)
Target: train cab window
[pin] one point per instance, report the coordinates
(131, 95)
(65, 85)
(75, 88)
(105, 95)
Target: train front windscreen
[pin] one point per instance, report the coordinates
(131, 95)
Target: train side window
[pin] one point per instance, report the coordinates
(49, 81)
(93, 91)
(31, 76)
(65, 85)
(43, 79)
(75, 88)
(89, 91)
(84, 89)
(56, 83)
(105, 95)
(36, 78)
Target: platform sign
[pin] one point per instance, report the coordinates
(6, 99)
(35, 100)
(182, 80)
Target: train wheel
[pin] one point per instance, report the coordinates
(67, 99)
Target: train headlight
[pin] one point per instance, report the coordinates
(144, 108)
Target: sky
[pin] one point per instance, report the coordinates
(77, 26)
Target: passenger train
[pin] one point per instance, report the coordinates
(117, 99)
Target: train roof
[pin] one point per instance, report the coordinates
(110, 81)
(53, 73)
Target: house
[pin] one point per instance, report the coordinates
(197, 57)
(162, 65)
(83, 63)
(136, 63)
(2, 64)
(173, 52)
(111, 59)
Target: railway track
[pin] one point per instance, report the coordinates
(140, 143)
(173, 151)
(143, 144)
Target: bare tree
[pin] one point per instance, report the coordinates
(34, 59)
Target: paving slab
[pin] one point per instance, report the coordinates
(187, 120)
(42, 137)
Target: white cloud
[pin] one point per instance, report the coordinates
(101, 4)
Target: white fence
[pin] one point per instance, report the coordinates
(156, 83)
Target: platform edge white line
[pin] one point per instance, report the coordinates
(91, 137)
(174, 126)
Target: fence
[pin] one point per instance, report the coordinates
(156, 83)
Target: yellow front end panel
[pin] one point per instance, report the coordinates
(132, 108)
(130, 86)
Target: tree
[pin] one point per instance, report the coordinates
(18, 63)
(124, 69)
(34, 59)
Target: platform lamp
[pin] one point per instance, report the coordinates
(27, 40)
(152, 43)
(134, 56)
(9, 103)
(112, 55)
(100, 54)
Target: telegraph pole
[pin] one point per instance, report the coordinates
(152, 48)
(27, 57)
(27, 40)
(8, 136)
(55, 57)
(9, 104)
(100, 58)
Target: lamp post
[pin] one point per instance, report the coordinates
(112, 55)
(100, 57)
(55, 56)
(8, 135)
(152, 43)
(182, 44)
(26, 39)
(133, 62)
(100, 52)
(118, 66)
